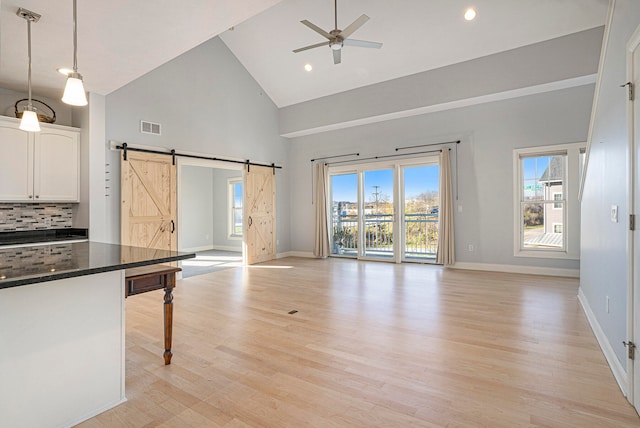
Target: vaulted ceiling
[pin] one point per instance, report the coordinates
(121, 40)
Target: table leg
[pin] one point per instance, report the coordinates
(168, 323)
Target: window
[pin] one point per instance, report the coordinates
(557, 197)
(546, 202)
(235, 208)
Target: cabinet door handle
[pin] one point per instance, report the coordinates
(173, 226)
(30, 196)
(250, 221)
(37, 196)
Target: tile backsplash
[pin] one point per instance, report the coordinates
(35, 216)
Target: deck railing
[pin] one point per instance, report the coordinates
(421, 240)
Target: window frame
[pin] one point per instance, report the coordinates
(231, 183)
(569, 202)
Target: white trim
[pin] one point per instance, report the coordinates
(632, 45)
(529, 270)
(305, 254)
(196, 249)
(499, 96)
(614, 364)
(596, 94)
(237, 249)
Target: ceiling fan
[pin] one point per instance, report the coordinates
(338, 38)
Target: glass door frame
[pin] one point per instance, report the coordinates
(398, 202)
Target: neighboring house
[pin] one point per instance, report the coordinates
(552, 180)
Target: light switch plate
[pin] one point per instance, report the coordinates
(614, 213)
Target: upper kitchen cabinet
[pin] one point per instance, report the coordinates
(39, 166)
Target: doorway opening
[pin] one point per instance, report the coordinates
(210, 217)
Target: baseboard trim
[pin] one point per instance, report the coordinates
(304, 254)
(196, 249)
(227, 248)
(97, 412)
(531, 270)
(618, 371)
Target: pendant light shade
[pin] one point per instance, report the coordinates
(74, 93)
(29, 120)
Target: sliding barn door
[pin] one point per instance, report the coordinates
(260, 216)
(148, 194)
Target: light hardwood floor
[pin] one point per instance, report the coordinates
(372, 345)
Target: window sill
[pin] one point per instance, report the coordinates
(563, 255)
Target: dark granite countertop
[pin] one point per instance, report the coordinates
(29, 265)
(42, 235)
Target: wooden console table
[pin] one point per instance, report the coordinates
(154, 277)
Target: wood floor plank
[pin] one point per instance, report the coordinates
(371, 345)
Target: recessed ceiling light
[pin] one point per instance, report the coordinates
(308, 67)
(64, 70)
(470, 14)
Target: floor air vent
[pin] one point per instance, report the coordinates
(149, 127)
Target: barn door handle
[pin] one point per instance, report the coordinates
(173, 226)
(250, 221)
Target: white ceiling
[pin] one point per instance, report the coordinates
(120, 40)
(418, 35)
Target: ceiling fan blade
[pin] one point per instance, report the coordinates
(362, 43)
(317, 29)
(317, 45)
(354, 26)
(337, 57)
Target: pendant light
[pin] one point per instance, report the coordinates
(74, 90)
(29, 120)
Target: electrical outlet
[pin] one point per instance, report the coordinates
(614, 213)
(460, 208)
(471, 247)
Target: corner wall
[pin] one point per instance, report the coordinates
(604, 264)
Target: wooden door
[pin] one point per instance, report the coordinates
(260, 214)
(148, 210)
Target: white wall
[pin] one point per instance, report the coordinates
(196, 211)
(207, 103)
(604, 264)
(90, 213)
(488, 133)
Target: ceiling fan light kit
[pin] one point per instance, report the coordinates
(338, 38)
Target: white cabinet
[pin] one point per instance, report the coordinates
(39, 166)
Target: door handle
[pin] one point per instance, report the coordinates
(173, 226)
(250, 221)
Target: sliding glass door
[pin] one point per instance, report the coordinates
(421, 209)
(385, 211)
(378, 187)
(344, 214)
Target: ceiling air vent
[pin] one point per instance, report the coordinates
(149, 127)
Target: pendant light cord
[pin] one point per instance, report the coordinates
(335, 4)
(75, 38)
(30, 105)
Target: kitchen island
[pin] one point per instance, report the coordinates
(62, 329)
